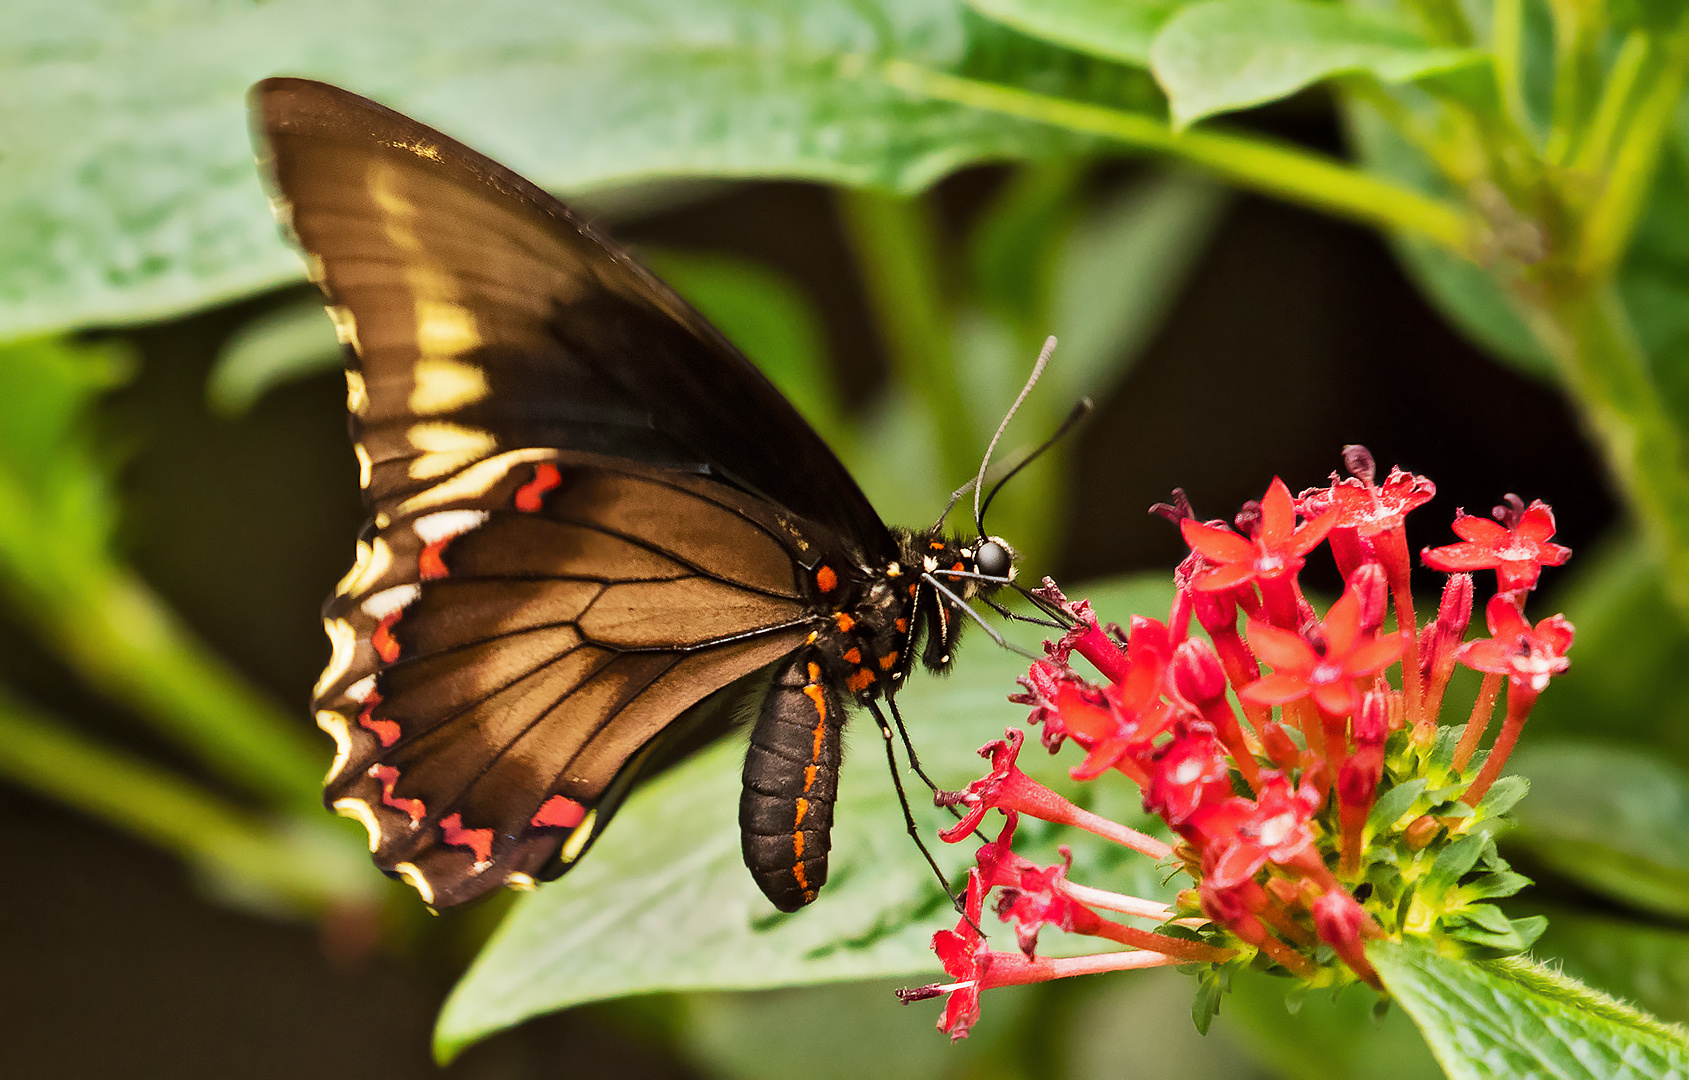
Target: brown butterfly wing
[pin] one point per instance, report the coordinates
(588, 511)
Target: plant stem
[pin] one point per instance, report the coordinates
(45, 756)
(1611, 220)
(897, 245)
(1585, 329)
(129, 644)
(1254, 163)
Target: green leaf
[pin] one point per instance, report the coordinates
(1646, 964)
(1393, 804)
(127, 189)
(1222, 55)
(1512, 1020)
(1118, 29)
(64, 580)
(664, 902)
(1329, 1036)
(291, 342)
(1613, 819)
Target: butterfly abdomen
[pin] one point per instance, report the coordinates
(791, 783)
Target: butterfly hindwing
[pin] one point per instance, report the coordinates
(500, 660)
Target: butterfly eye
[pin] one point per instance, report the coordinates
(993, 559)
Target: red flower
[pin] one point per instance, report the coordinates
(1527, 654)
(1187, 774)
(1276, 549)
(1516, 550)
(1036, 900)
(1006, 788)
(1368, 508)
(1249, 833)
(1328, 674)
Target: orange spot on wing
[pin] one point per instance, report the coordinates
(480, 841)
(854, 656)
(843, 622)
(531, 496)
(385, 646)
(888, 660)
(389, 777)
(385, 730)
(559, 812)
(429, 564)
(860, 680)
(902, 626)
(826, 580)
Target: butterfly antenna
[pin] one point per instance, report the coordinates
(1080, 411)
(985, 462)
(955, 497)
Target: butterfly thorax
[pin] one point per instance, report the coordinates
(871, 622)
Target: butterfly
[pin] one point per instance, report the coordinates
(589, 514)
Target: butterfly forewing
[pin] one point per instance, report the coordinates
(487, 317)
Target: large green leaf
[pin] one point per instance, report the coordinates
(1646, 964)
(1118, 29)
(126, 182)
(1221, 55)
(664, 903)
(1512, 1020)
(1615, 820)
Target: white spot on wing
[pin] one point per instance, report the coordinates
(366, 468)
(335, 724)
(521, 882)
(359, 810)
(345, 327)
(362, 690)
(344, 641)
(577, 841)
(443, 385)
(413, 877)
(445, 524)
(387, 601)
(373, 562)
(474, 481)
(357, 394)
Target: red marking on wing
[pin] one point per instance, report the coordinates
(480, 841)
(430, 564)
(559, 812)
(531, 496)
(385, 646)
(385, 730)
(389, 776)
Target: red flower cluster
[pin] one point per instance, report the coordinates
(1273, 800)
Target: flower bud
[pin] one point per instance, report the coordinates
(1197, 673)
(1372, 590)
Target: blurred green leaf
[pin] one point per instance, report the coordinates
(1122, 268)
(665, 903)
(1636, 961)
(1327, 1035)
(128, 184)
(1118, 29)
(291, 342)
(1612, 819)
(1511, 1020)
(60, 575)
(1222, 55)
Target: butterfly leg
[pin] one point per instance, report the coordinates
(791, 781)
(903, 799)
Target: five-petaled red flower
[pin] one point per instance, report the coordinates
(1328, 675)
(1276, 549)
(1529, 654)
(1516, 554)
